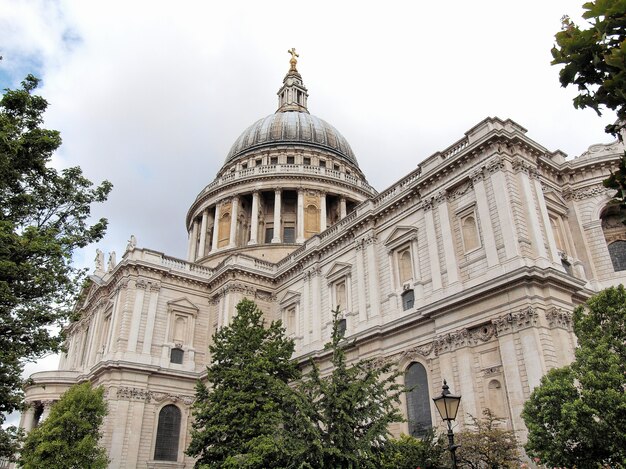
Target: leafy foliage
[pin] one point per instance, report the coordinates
(487, 444)
(346, 415)
(43, 219)
(239, 419)
(594, 58)
(577, 416)
(407, 452)
(68, 438)
(594, 61)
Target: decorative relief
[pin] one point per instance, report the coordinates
(452, 341)
(151, 396)
(558, 317)
(133, 394)
(586, 192)
(477, 176)
(492, 370)
(495, 164)
(519, 164)
(462, 189)
(518, 320)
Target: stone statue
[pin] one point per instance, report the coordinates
(132, 243)
(293, 61)
(112, 263)
(99, 261)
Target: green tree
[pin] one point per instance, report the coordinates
(43, 220)
(239, 418)
(346, 414)
(407, 452)
(577, 416)
(594, 60)
(486, 444)
(68, 438)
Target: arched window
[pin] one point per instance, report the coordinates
(417, 400)
(615, 236)
(408, 299)
(168, 433)
(176, 355)
(617, 251)
(470, 233)
(404, 264)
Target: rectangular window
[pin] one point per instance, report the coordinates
(290, 160)
(336, 167)
(289, 234)
(269, 234)
(274, 160)
(244, 165)
(307, 160)
(258, 162)
(322, 163)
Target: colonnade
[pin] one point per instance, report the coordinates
(237, 221)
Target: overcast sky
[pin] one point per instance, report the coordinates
(151, 94)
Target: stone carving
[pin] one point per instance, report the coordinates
(558, 317)
(492, 370)
(452, 341)
(518, 320)
(519, 164)
(133, 394)
(112, 262)
(495, 164)
(463, 188)
(132, 243)
(586, 192)
(99, 261)
(152, 396)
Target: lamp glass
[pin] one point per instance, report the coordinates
(447, 405)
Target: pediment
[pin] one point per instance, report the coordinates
(289, 297)
(338, 270)
(555, 202)
(183, 304)
(400, 235)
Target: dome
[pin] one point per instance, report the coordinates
(292, 127)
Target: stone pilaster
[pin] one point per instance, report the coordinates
(202, 246)
(277, 214)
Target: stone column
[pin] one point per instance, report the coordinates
(484, 215)
(254, 227)
(194, 241)
(307, 321)
(360, 276)
(372, 275)
(342, 208)
(545, 218)
(323, 215)
(448, 240)
(28, 418)
(524, 172)
(503, 206)
(318, 325)
(433, 251)
(151, 319)
(216, 223)
(277, 212)
(201, 248)
(47, 406)
(135, 321)
(190, 245)
(234, 214)
(300, 217)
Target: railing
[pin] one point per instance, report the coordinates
(287, 169)
(182, 266)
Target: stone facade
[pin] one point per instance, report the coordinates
(469, 266)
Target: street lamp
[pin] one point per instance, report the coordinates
(448, 405)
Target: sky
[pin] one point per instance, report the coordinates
(150, 95)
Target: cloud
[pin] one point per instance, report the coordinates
(151, 94)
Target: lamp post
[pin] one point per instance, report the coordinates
(448, 405)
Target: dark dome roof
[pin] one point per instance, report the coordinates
(292, 127)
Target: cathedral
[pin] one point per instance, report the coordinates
(466, 269)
